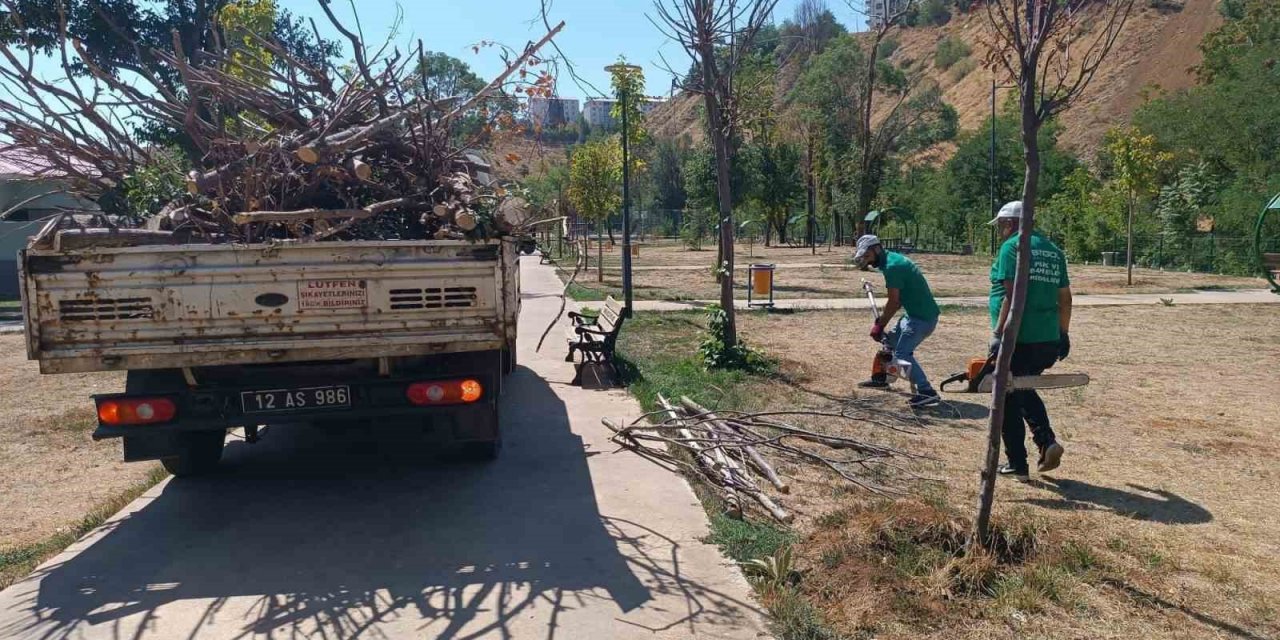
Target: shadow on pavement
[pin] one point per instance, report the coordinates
(308, 535)
(1154, 505)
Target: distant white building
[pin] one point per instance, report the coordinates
(599, 111)
(878, 10)
(553, 112)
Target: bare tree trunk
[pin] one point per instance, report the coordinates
(1128, 261)
(1018, 300)
(724, 189)
(865, 191)
(811, 203)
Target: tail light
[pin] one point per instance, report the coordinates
(439, 392)
(127, 411)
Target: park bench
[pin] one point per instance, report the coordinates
(595, 337)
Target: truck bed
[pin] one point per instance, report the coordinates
(154, 307)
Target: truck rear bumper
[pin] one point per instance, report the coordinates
(372, 401)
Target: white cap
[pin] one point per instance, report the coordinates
(1010, 211)
(864, 245)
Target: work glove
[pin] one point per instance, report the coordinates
(877, 332)
(1064, 345)
(993, 347)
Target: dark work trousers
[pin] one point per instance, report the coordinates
(1025, 405)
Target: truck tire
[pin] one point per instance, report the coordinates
(198, 453)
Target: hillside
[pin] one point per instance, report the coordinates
(1157, 49)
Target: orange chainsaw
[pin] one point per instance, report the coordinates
(978, 379)
(884, 364)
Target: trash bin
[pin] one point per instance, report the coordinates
(760, 277)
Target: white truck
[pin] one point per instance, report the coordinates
(399, 334)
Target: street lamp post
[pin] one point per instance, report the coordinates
(623, 96)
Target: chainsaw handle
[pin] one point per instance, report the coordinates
(963, 376)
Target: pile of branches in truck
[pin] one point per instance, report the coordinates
(271, 147)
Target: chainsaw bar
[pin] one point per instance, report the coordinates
(1044, 381)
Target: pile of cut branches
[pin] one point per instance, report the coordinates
(730, 452)
(272, 147)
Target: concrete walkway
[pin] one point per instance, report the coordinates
(1252, 296)
(308, 534)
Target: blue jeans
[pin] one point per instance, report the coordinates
(904, 337)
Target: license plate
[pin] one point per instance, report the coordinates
(276, 400)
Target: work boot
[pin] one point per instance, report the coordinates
(1050, 457)
(925, 399)
(1009, 471)
(876, 382)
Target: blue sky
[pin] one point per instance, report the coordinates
(596, 32)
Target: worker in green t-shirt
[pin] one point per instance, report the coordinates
(1042, 338)
(908, 291)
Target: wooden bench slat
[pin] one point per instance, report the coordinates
(1271, 260)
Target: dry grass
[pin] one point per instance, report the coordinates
(51, 472)
(1170, 474)
(668, 271)
(1160, 524)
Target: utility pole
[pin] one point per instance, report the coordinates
(995, 206)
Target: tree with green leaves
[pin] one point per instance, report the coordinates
(1135, 162)
(595, 184)
(121, 37)
(667, 174)
(1181, 203)
(772, 171)
(444, 76)
(628, 89)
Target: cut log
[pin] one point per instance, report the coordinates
(757, 461)
(733, 503)
(307, 154)
(360, 169)
(303, 215)
(300, 216)
(465, 220)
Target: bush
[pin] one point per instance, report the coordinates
(929, 13)
(950, 51)
(717, 355)
(963, 68)
(887, 47)
(696, 227)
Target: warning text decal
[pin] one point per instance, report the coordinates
(333, 294)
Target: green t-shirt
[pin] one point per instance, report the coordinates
(913, 291)
(1048, 274)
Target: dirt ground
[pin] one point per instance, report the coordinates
(667, 271)
(1170, 470)
(51, 472)
(1173, 444)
